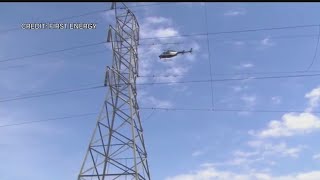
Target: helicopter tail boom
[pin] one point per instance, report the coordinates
(182, 52)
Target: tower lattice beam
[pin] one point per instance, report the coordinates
(117, 149)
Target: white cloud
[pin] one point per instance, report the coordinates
(276, 99)
(294, 123)
(172, 74)
(262, 148)
(157, 20)
(159, 103)
(166, 32)
(255, 144)
(291, 124)
(239, 88)
(211, 173)
(197, 153)
(235, 12)
(172, 70)
(314, 175)
(248, 65)
(314, 98)
(150, 101)
(281, 149)
(245, 66)
(147, 32)
(249, 103)
(244, 154)
(316, 156)
(267, 42)
(249, 100)
(261, 152)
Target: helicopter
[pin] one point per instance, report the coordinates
(172, 53)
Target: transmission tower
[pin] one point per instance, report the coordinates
(117, 149)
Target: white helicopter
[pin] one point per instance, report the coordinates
(172, 53)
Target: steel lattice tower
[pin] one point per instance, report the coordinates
(117, 149)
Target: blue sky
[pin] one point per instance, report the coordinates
(182, 145)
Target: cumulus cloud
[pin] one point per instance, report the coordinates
(157, 28)
(291, 124)
(281, 149)
(150, 101)
(244, 154)
(261, 150)
(294, 123)
(157, 20)
(314, 98)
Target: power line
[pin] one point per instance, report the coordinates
(271, 37)
(154, 4)
(66, 49)
(233, 79)
(316, 50)
(49, 93)
(209, 54)
(50, 119)
(149, 116)
(270, 72)
(154, 109)
(74, 55)
(237, 31)
(51, 52)
(55, 92)
(230, 74)
(238, 39)
(227, 110)
(202, 34)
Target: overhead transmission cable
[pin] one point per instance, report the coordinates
(209, 55)
(227, 110)
(316, 51)
(52, 52)
(50, 119)
(202, 34)
(154, 109)
(236, 31)
(227, 74)
(55, 92)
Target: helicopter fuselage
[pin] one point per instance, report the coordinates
(168, 55)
